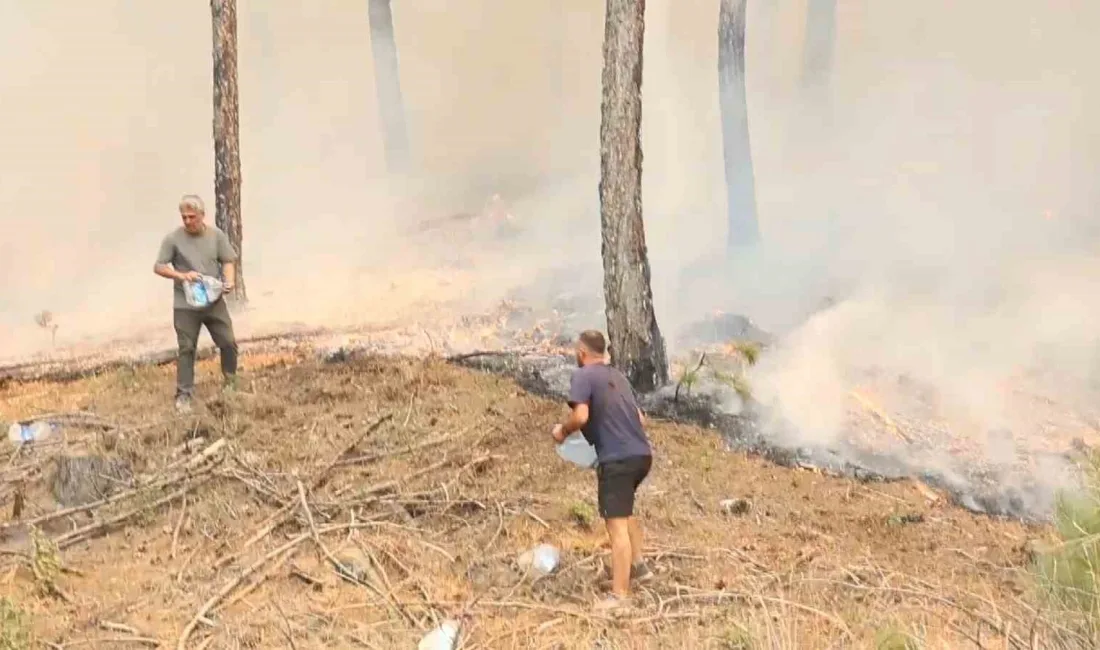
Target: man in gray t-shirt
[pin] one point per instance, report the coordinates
(185, 255)
(603, 408)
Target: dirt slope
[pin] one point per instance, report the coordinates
(432, 507)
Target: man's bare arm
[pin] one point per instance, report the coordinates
(641, 416)
(168, 271)
(229, 270)
(578, 417)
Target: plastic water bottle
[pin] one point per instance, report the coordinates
(199, 289)
(30, 431)
(545, 559)
(213, 288)
(576, 450)
(441, 638)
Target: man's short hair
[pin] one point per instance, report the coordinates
(594, 341)
(193, 201)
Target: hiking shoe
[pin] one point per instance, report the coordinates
(612, 605)
(639, 572)
(183, 405)
(230, 384)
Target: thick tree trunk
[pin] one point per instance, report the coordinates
(387, 81)
(740, 182)
(817, 52)
(637, 347)
(227, 140)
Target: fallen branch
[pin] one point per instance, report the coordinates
(76, 368)
(255, 584)
(81, 534)
(143, 640)
(339, 566)
(128, 494)
(176, 531)
(457, 358)
(367, 458)
(284, 513)
(206, 607)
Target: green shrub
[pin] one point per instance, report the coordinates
(1069, 570)
(15, 627)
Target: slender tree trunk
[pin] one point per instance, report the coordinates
(736, 149)
(387, 81)
(817, 52)
(227, 140)
(637, 347)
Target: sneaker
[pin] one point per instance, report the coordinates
(230, 384)
(183, 405)
(639, 572)
(612, 604)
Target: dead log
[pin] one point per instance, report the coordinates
(77, 368)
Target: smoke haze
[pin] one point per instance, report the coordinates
(942, 192)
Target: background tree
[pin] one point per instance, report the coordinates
(736, 149)
(387, 81)
(227, 140)
(637, 347)
(817, 51)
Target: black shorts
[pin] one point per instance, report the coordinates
(617, 481)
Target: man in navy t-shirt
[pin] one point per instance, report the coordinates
(603, 408)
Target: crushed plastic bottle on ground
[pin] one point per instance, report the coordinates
(541, 560)
(443, 637)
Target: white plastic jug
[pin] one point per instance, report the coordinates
(576, 450)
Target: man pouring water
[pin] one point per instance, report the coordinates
(187, 255)
(603, 408)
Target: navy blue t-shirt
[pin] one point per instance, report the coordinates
(614, 427)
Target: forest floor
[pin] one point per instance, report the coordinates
(425, 482)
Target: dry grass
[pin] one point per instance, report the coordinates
(310, 528)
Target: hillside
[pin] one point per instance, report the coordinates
(429, 480)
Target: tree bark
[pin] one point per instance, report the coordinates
(387, 81)
(636, 345)
(817, 51)
(737, 151)
(227, 140)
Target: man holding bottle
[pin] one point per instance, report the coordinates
(186, 255)
(603, 408)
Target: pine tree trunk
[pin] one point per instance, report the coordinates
(637, 347)
(387, 81)
(740, 183)
(227, 141)
(817, 52)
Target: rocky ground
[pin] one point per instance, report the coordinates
(362, 500)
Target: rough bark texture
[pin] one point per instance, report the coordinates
(817, 52)
(637, 347)
(740, 182)
(227, 140)
(387, 81)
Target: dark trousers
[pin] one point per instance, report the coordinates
(188, 324)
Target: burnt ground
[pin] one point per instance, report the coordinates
(430, 508)
(998, 490)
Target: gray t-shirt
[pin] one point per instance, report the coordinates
(614, 427)
(205, 253)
